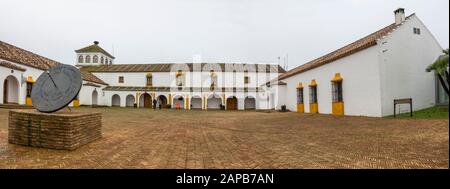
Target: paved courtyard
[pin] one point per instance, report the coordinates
(217, 139)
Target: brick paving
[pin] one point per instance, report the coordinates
(216, 139)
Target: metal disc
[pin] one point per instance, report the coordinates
(56, 88)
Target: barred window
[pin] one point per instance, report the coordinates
(313, 94)
(180, 79)
(246, 80)
(29, 89)
(299, 95)
(149, 79)
(121, 79)
(88, 59)
(337, 91)
(101, 60)
(95, 59)
(80, 59)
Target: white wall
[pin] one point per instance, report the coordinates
(403, 65)
(361, 85)
(21, 78)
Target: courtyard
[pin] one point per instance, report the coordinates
(144, 138)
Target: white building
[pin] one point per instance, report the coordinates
(186, 86)
(174, 85)
(364, 77)
(20, 68)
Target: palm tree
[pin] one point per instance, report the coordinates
(441, 68)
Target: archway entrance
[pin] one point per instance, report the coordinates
(162, 100)
(10, 90)
(129, 101)
(145, 101)
(115, 100)
(250, 103)
(214, 102)
(196, 103)
(95, 98)
(232, 103)
(178, 102)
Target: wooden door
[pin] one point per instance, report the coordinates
(147, 101)
(5, 91)
(232, 103)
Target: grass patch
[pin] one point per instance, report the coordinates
(437, 112)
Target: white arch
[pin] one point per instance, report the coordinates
(94, 98)
(11, 90)
(214, 101)
(196, 102)
(129, 100)
(142, 100)
(178, 100)
(115, 100)
(227, 100)
(250, 103)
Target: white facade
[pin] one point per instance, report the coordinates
(198, 99)
(18, 95)
(372, 78)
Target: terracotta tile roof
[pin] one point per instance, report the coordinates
(27, 58)
(359, 45)
(95, 48)
(87, 76)
(167, 67)
(91, 84)
(20, 56)
(11, 66)
(184, 89)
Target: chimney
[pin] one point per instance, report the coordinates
(96, 42)
(399, 16)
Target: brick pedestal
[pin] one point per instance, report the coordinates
(59, 130)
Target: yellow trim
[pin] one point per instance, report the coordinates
(338, 108)
(179, 73)
(28, 101)
(337, 77)
(313, 108)
(30, 79)
(313, 83)
(204, 102)
(300, 108)
(299, 85)
(170, 99)
(76, 103)
(137, 99)
(187, 103)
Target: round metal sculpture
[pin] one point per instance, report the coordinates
(56, 88)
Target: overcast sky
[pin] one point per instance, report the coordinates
(255, 31)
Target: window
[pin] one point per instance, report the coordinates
(416, 31)
(149, 79)
(29, 88)
(88, 59)
(80, 59)
(313, 94)
(246, 80)
(337, 91)
(95, 59)
(213, 80)
(180, 78)
(110, 62)
(101, 60)
(299, 95)
(121, 79)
